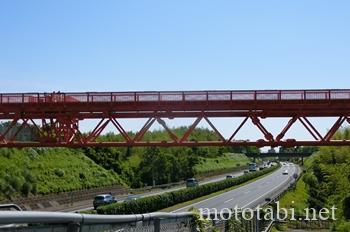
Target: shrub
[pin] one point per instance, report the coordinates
(34, 189)
(15, 182)
(26, 188)
(346, 207)
(82, 176)
(59, 172)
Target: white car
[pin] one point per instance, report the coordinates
(285, 172)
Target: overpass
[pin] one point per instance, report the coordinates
(55, 116)
(301, 155)
(279, 154)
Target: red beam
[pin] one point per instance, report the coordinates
(173, 144)
(60, 114)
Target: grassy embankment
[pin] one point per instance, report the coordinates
(208, 166)
(42, 171)
(220, 164)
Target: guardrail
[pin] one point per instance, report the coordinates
(10, 206)
(73, 222)
(26, 221)
(175, 96)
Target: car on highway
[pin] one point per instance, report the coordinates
(191, 182)
(295, 176)
(285, 172)
(103, 199)
(246, 171)
(230, 176)
(253, 167)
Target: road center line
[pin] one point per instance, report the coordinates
(287, 180)
(228, 200)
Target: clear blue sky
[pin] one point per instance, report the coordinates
(173, 45)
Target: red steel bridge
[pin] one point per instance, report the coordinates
(56, 116)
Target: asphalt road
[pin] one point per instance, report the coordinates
(252, 194)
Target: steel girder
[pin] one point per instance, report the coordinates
(59, 115)
(65, 132)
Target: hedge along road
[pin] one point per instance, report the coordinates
(249, 195)
(166, 200)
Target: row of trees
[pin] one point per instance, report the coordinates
(154, 166)
(158, 165)
(328, 180)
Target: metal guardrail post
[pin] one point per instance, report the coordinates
(73, 227)
(157, 224)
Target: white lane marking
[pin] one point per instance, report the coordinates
(247, 192)
(217, 196)
(288, 179)
(228, 200)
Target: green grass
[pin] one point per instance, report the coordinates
(299, 196)
(225, 162)
(46, 171)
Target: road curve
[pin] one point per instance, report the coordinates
(252, 194)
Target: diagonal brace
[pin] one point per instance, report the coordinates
(257, 123)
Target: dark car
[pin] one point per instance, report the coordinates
(230, 176)
(103, 199)
(191, 182)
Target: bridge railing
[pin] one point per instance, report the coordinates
(175, 96)
(74, 222)
(27, 221)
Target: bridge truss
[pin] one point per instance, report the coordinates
(55, 117)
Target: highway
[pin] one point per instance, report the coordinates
(249, 195)
(87, 205)
(252, 194)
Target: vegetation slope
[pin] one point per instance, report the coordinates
(326, 183)
(43, 171)
(51, 170)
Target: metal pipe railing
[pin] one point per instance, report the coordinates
(176, 96)
(11, 217)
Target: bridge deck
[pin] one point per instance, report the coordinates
(60, 114)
